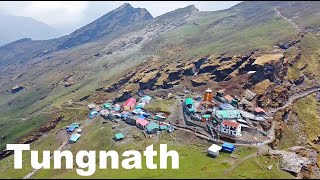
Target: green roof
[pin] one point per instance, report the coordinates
(106, 105)
(206, 116)
(75, 125)
(119, 136)
(163, 127)
(189, 101)
(152, 126)
(228, 113)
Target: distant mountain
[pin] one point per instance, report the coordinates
(17, 27)
(123, 16)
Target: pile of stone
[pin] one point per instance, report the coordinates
(296, 158)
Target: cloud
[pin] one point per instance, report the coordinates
(54, 13)
(70, 15)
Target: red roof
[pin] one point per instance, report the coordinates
(142, 121)
(259, 109)
(230, 123)
(130, 102)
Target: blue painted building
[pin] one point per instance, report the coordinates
(228, 147)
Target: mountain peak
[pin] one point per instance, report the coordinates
(192, 8)
(125, 6)
(125, 15)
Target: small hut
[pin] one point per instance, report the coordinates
(152, 128)
(141, 123)
(213, 150)
(118, 136)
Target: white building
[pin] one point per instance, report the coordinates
(214, 150)
(231, 128)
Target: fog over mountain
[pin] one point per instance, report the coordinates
(17, 27)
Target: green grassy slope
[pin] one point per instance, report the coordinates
(193, 160)
(242, 28)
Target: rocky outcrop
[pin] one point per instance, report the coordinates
(299, 159)
(201, 79)
(69, 80)
(114, 87)
(149, 79)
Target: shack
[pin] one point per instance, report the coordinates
(70, 129)
(141, 123)
(93, 114)
(107, 106)
(228, 98)
(159, 117)
(117, 107)
(74, 138)
(132, 120)
(163, 127)
(75, 125)
(16, 89)
(104, 113)
(140, 106)
(129, 104)
(227, 147)
(258, 111)
(152, 128)
(118, 136)
(213, 150)
(145, 99)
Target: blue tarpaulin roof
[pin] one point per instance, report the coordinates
(228, 146)
(71, 128)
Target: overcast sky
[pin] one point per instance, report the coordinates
(66, 16)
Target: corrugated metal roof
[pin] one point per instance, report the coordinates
(130, 102)
(152, 126)
(74, 137)
(119, 136)
(189, 101)
(142, 122)
(228, 97)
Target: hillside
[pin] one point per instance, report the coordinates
(127, 51)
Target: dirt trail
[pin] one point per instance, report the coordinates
(293, 98)
(287, 19)
(34, 171)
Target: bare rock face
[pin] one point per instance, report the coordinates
(299, 159)
(201, 79)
